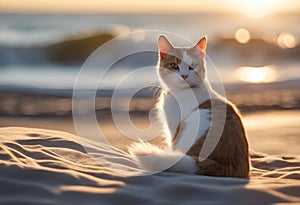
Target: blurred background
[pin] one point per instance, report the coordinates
(254, 44)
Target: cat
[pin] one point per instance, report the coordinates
(182, 71)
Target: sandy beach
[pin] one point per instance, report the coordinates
(91, 60)
(270, 132)
(45, 166)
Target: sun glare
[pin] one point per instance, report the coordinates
(257, 8)
(256, 74)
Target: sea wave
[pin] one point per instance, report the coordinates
(69, 50)
(26, 38)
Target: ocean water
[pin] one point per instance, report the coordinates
(25, 40)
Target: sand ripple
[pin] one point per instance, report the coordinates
(51, 167)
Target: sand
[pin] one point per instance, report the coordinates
(275, 132)
(40, 166)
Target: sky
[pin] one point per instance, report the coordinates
(248, 7)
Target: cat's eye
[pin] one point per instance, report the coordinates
(192, 67)
(174, 66)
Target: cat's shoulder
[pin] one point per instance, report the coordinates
(219, 105)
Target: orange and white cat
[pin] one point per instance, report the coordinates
(180, 72)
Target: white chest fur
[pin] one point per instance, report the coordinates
(181, 108)
(195, 126)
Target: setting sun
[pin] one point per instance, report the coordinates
(257, 8)
(256, 74)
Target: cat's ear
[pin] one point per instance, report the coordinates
(202, 43)
(164, 45)
(201, 46)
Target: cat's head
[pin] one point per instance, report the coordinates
(181, 68)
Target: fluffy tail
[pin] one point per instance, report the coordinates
(154, 159)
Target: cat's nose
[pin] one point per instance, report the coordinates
(184, 76)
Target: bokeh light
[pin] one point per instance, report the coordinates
(256, 74)
(286, 40)
(242, 35)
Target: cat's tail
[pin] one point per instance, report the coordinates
(154, 159)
